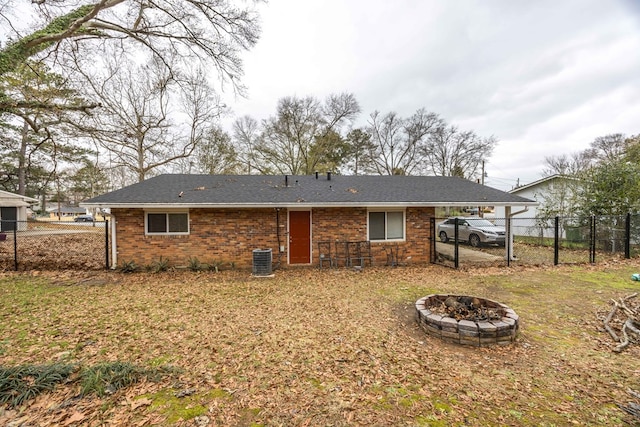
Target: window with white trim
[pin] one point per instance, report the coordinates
(167, 223)
(386, 225)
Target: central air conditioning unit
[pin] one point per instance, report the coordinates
(262, 261)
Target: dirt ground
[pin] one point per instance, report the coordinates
(330, 347)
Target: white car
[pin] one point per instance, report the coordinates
(475, 231)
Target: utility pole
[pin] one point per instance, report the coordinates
(480, 208)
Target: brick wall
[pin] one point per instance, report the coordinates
(418, 233)
(230, 235)
(216, 235)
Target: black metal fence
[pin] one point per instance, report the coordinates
(60, 245)
(29, 245)
(536, 241)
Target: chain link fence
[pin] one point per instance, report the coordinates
(32, 245)
(536, 241)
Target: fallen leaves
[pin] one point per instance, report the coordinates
(135, 404)
(315, 347)
(74, 418)
(58, 250)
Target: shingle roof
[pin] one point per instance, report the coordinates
(68, 209)
(543, 180)
(304, 190)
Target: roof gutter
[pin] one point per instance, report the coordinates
(297, 205)
(526, 209)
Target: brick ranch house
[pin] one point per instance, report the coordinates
(223, 218)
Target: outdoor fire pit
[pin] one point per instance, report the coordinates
(467, 320)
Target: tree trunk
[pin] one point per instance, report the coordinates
(22, 160)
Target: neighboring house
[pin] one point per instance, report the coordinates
(225, 217)
(555, 195)
(66, 211)
(13, 211)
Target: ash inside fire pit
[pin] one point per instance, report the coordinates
(467, 308)
(467, 320)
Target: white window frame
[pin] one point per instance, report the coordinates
(385, 211)
(166, 212)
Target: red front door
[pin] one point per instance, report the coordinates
(299, 237)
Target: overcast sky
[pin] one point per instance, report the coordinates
(544, 77)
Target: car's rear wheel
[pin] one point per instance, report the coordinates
(474, 240)
(443, 237)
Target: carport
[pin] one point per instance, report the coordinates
(453, 252)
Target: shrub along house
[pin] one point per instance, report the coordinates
(223, 218)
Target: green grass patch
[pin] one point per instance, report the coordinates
(21, 383)
(183, 408)
(107, 378)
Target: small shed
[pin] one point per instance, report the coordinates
(13, 211)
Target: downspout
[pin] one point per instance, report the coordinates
(114, 245)
(275, 267)
(509, 241)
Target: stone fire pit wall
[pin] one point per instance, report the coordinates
(467, 332)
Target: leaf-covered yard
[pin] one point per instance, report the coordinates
(310, 347)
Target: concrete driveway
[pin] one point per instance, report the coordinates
(466, 254)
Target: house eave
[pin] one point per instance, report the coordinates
(542, 181)
(298, 205)
(5, 195)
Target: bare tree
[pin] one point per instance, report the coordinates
(216, 155)
(304, 135)
(212, 32)
(246, 135)
(451, 152)
(602, 150)
(139, 125)
(564, 164)
(398, 144)
(606, 148)
(604, 179)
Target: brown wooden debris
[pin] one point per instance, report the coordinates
(632, 408)
(626, 314)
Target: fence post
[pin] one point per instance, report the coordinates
(556, 241)
(15, 245)
(508, 239)
(592, 240)
(106, 243)
(456, 258)
(627, 236)
(432, 241)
